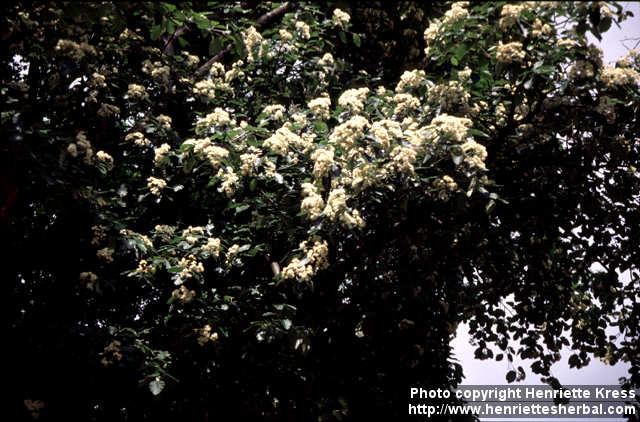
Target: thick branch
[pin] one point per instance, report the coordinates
(262, 21)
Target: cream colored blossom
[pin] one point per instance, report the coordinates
(73, 50)
(280, 142)
(539, 29)
(137, 92)
(336, 204)
(349, 132)
(89, 279)
(510, 53)
(315, 259)
(326, 60)
(449, 96)
(354, 99)
(410, 80)
(99, 234)
(458, 11)
(218, 118)
(160, 153)
(105, 159)
(340, 18)
(285, 35)
(190, 267)
(619, 76)
(212, 247)
(403, 159)
(190, 60)
(165, 121)
(230, 181)
(183, 294)
(138, 139)
(450, 127)
(232, 253)
(510, 14)
(303, 30)
(312, 205)
(445, 185)
(192, 234)
(320, 107)
(386, 131)
(105, 254)
(249, 162)
(475, 154)
(253, 42)
(164, 232)
(156, 185)
(322, 162)
(144, 268)
(97, 80)
(275, 111)
(405, 103)
(206, 335)
(464, 75)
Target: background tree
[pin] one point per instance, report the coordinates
(283, 211)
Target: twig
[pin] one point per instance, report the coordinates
(262, 21)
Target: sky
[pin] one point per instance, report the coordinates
(615, 44)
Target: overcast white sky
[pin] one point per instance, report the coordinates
(615, 44)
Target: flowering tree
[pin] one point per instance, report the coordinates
(236, 209)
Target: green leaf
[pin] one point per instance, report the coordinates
(156, 386)
(356, 40)
(156, 32)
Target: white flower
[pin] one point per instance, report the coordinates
(354, 99)
(137, 92)
(160, 153)
(320, 107)
(510, 53)
(340, 18)
(156, 185)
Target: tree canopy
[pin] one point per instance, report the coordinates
(283, 211)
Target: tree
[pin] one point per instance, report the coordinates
(283, 211)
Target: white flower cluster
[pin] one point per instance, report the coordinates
(213, 247)
(303, 30)
(280, 142)
(156, 185)
(138, 139)
(105, 159)
(347, 133)
(315, 259)
(254, 43)
(214, 153)
(320, 107)
(274, 111)
(183, 294)
(160, 153)
(510, 52)
(312, 205)
(619, 76)
(410, 80)
(510, 14)
(457, 12)
(189, 268)
(137, 92)
(230, 181)
(217, 119)
(322, 162)
(73, 50)
(340, 18)
(451, 128)
(354, 99)
(449, 96)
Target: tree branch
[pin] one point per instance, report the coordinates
(262, 21)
